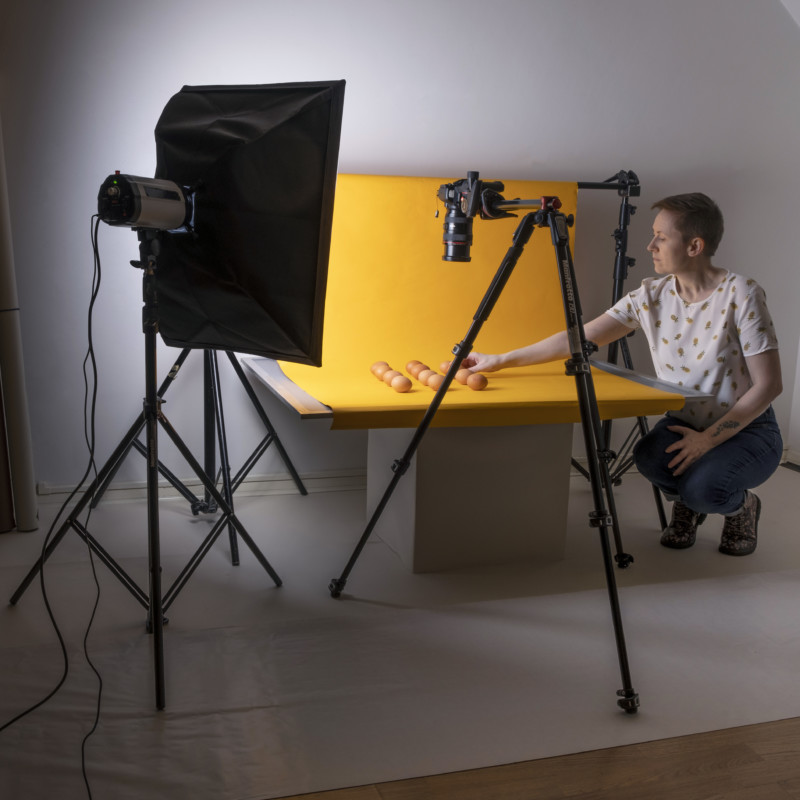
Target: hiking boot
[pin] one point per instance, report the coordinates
(740, 530)
(682, 529)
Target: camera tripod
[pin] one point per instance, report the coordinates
(153, 601)
(577, 366)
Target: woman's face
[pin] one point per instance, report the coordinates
(669, 250)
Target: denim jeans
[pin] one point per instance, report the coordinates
(716, 482)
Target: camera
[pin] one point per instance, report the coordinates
(463, 200)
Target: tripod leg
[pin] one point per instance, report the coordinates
(622, 558)
(577, 466)
(628, 698)
(86, 498)
(602, 520)
(172, 479)
(220, 500)
(112, 565)
(162, 390)
(578, 365)
(248, 465)
(662, 516)
(599, 451)
(644, 429)
(337, 585)
(274, 439)
(461, 351)
(224, 463)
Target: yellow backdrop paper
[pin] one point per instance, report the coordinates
(391, 297)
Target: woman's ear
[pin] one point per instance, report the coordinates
(696, 246)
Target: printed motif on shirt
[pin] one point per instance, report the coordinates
(703, 345)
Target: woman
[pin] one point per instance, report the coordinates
(708, 329)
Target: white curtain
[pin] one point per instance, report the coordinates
(22, 489)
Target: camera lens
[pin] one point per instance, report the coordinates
(457, 236)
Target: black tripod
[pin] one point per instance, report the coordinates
(577, 366)
(154, 602)
(627, 185)
(214, 432)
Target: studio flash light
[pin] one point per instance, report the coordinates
(144, 203)
(250, 172)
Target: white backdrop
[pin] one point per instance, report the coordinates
(690, 94)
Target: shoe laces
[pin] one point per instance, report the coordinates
(682, 515)
(740, 525)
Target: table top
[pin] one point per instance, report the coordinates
(525, 396)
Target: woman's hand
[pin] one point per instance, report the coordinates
(692, 446)
(482, 362)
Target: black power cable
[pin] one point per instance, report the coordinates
(89, 415)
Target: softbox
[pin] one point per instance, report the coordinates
(262, 163)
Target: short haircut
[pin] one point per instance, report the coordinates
(696, 215)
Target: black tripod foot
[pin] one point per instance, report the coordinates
(628, 701)
(623, 560)
(335, 586)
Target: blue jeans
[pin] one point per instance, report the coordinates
(716, 482)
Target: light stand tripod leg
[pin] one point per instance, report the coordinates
(641, 429)
(251, 461)
(224, 462)
(98, 495)
(461, 351)
(227, 511)
(85, 499)
(171, 478)
(272, 433)
(112, 565)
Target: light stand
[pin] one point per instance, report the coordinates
(154, 601)
(627, 185)
(214, 433)
(457, 238)
(247, 175)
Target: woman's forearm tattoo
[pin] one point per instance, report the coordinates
(730, 424)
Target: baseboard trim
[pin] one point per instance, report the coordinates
(258, 485)
(253, 485)
(584, 462)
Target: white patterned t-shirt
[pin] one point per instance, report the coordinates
(703, 345)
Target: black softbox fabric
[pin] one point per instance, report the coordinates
(263, 159)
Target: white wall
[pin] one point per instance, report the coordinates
(691, 94)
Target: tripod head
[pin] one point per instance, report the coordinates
(626, 183)
(470, 196)
(464, 199)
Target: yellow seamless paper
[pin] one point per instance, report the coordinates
(391, 297)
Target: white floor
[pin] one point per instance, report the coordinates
(275, 691)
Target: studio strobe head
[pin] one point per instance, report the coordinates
(142, 203)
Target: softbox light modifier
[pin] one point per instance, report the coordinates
(261, 162)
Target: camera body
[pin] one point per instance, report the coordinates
(463, 200)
